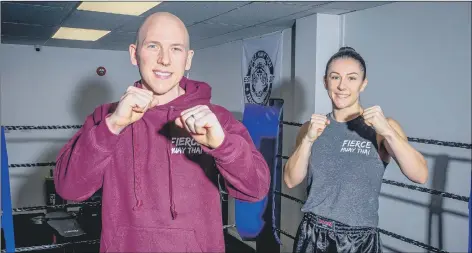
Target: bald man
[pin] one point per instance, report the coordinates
(157, 153)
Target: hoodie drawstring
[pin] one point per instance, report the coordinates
(137, 183)
(173, 212)
(195, 92)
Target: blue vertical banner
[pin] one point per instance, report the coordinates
(7, 217)
(254, 221)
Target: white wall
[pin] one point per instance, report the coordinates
(418, 66)
(56, 86)
(222, 74)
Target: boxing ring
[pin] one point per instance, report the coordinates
(258, 222)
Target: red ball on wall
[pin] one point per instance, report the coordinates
(101, 71)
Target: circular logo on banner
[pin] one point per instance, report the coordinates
(259, 78)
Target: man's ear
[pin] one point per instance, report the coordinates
(188, 64)
(133, 54)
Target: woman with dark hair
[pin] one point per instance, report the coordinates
(343, 155)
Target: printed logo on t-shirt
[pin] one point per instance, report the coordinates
(356, 146)
(185, 145)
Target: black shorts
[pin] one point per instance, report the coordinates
(317, 234)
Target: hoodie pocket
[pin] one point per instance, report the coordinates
(141, 239)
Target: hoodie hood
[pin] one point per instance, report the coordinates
(196, 93)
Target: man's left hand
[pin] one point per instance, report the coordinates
(203, 126)
(375, 118)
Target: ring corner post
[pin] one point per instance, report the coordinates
(7, 216)
(470, 213)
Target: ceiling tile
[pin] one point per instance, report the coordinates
(332, 11)
(33, 31)
(194, 12)
(306, 4)
(289, 20)
(209, 23)
(119, 37)
(208, 30)
(65, 4)
(97, 20)
(285, 22)
(257, 12)
(32, 14)
(353, 6)
(131, 25)
(254, 31)
(190, 12)
(234, 36)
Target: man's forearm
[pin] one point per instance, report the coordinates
(243, 168)
(83, 160)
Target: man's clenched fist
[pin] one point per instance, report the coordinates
(203, 126)
(317, 125)
(132, 106)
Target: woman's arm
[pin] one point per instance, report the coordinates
(296, 167)
(411, 162)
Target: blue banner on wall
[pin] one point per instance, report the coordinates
(262, 123)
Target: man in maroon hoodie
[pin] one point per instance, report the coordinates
(156, 154)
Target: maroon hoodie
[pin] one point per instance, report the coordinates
(160, 190)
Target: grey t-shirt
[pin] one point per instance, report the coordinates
(345, 174)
